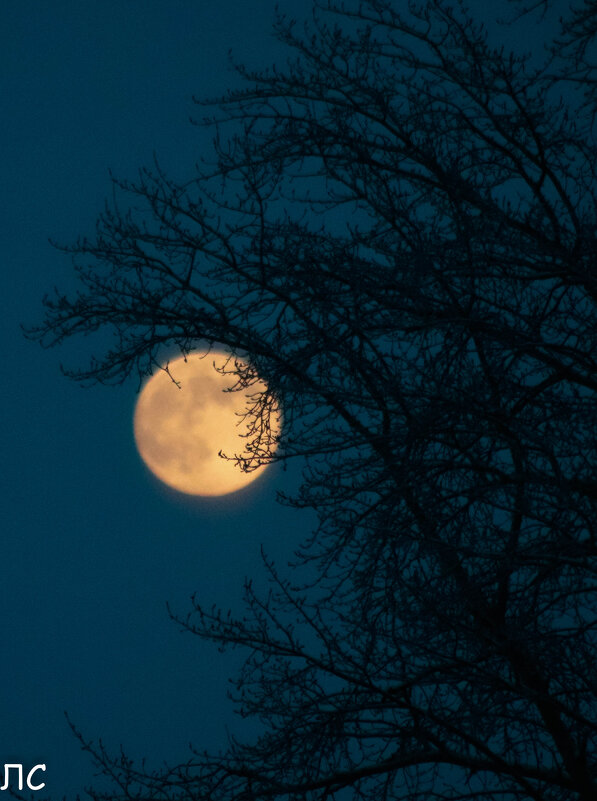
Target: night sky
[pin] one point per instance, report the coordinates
(92, 546)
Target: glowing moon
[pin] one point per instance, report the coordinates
(180, 431)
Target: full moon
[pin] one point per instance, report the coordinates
(180, 428)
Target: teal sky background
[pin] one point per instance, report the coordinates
(92, 547)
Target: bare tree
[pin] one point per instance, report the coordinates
(399, 235)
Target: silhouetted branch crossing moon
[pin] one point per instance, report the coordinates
(181, 428)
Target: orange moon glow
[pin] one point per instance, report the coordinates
(180, 431)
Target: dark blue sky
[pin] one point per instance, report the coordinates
(92, 547)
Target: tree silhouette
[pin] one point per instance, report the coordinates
(399, 235)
